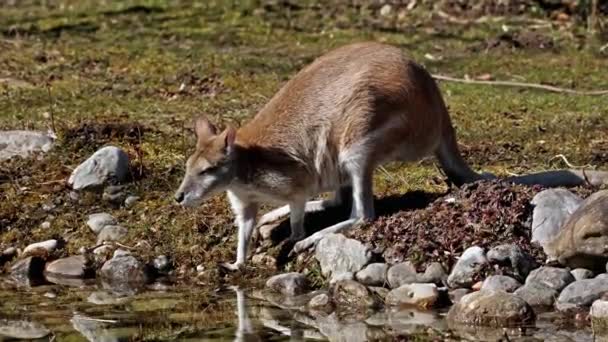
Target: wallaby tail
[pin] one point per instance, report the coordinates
(450, 159)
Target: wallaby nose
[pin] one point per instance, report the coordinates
(179, 197)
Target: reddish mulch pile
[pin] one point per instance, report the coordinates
(483, 213)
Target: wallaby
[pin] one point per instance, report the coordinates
(326, 130)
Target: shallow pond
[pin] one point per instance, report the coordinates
(94, 312)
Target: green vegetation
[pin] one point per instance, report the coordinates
(134, 73)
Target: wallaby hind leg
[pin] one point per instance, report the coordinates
(340, 196)
(363, 208)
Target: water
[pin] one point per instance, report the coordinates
(94, 312)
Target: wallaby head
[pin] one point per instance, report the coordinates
(211, 167)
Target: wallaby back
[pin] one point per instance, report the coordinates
(361, 99)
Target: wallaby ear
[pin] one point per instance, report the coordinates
(229, 137)
(203, 128)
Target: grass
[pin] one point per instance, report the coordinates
(159, 63)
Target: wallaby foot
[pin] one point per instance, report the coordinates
(232, 267)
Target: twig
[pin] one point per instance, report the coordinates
(48, 88)
(563, 158)
(522, 85)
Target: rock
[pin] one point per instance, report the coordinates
(537, 294)
(320, 302)
(552, 207)
(70, 267)
(341, 276)
(457, 294)
(22, 329)
(263, 259)
(102, 253)
(401, 274)
(123, 269)
(45, 225)
(24, 143)
(109, 165)
(381, 292)
(29, 268)
(130, 201)
(434, 273)
(581, 293)
(599, 318)
(468, 265)
(373, 274)
(114, 194)
(7, 255)
(98, 221)
(491, 308)
(100, 331)
(583, 240)
(162, 264)
(386, 10)
(500, 282)
(350, 294)
(111, 233)
(553, 277)
(421, 295)
(337, 254)
(581, 273)
(512, 255)
(289, 284)
(47, 246)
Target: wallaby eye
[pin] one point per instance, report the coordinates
(209, 169)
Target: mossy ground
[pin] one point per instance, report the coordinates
(156, 64)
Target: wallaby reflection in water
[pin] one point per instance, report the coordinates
(245, 330)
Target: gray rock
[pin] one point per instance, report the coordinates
(553, 277)
(469, 264)
(337, 254)
(45, 225)
(581, 273)
(100, 331)
(123, 269)
(381, 292)
(111, 233)
(512, 255)
(131, 200)
(537, 294)
(581, 293)
(102, 253)
(420, 295)
(9, 252)
(28, 268)
(70, 267)
(599, 318)
(552, 208)
(401, 274)
(22, 329)
(47, 246)
(320, 302)
(491, 308)
(24, 143)
(373, 274)
(350, 294)
(500, 282)
(289, 284)
(583, 240)
(109, 165)
(457, 294)
(434, 273)
(162, 264)
(98, 221)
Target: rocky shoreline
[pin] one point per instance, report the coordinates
(505, 257)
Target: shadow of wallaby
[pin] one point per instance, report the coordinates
(316, 221)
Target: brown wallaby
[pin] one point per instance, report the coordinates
(326, 130)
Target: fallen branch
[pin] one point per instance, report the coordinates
(522, 85)
(565, 177)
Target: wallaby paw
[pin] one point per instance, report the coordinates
(232, 267)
